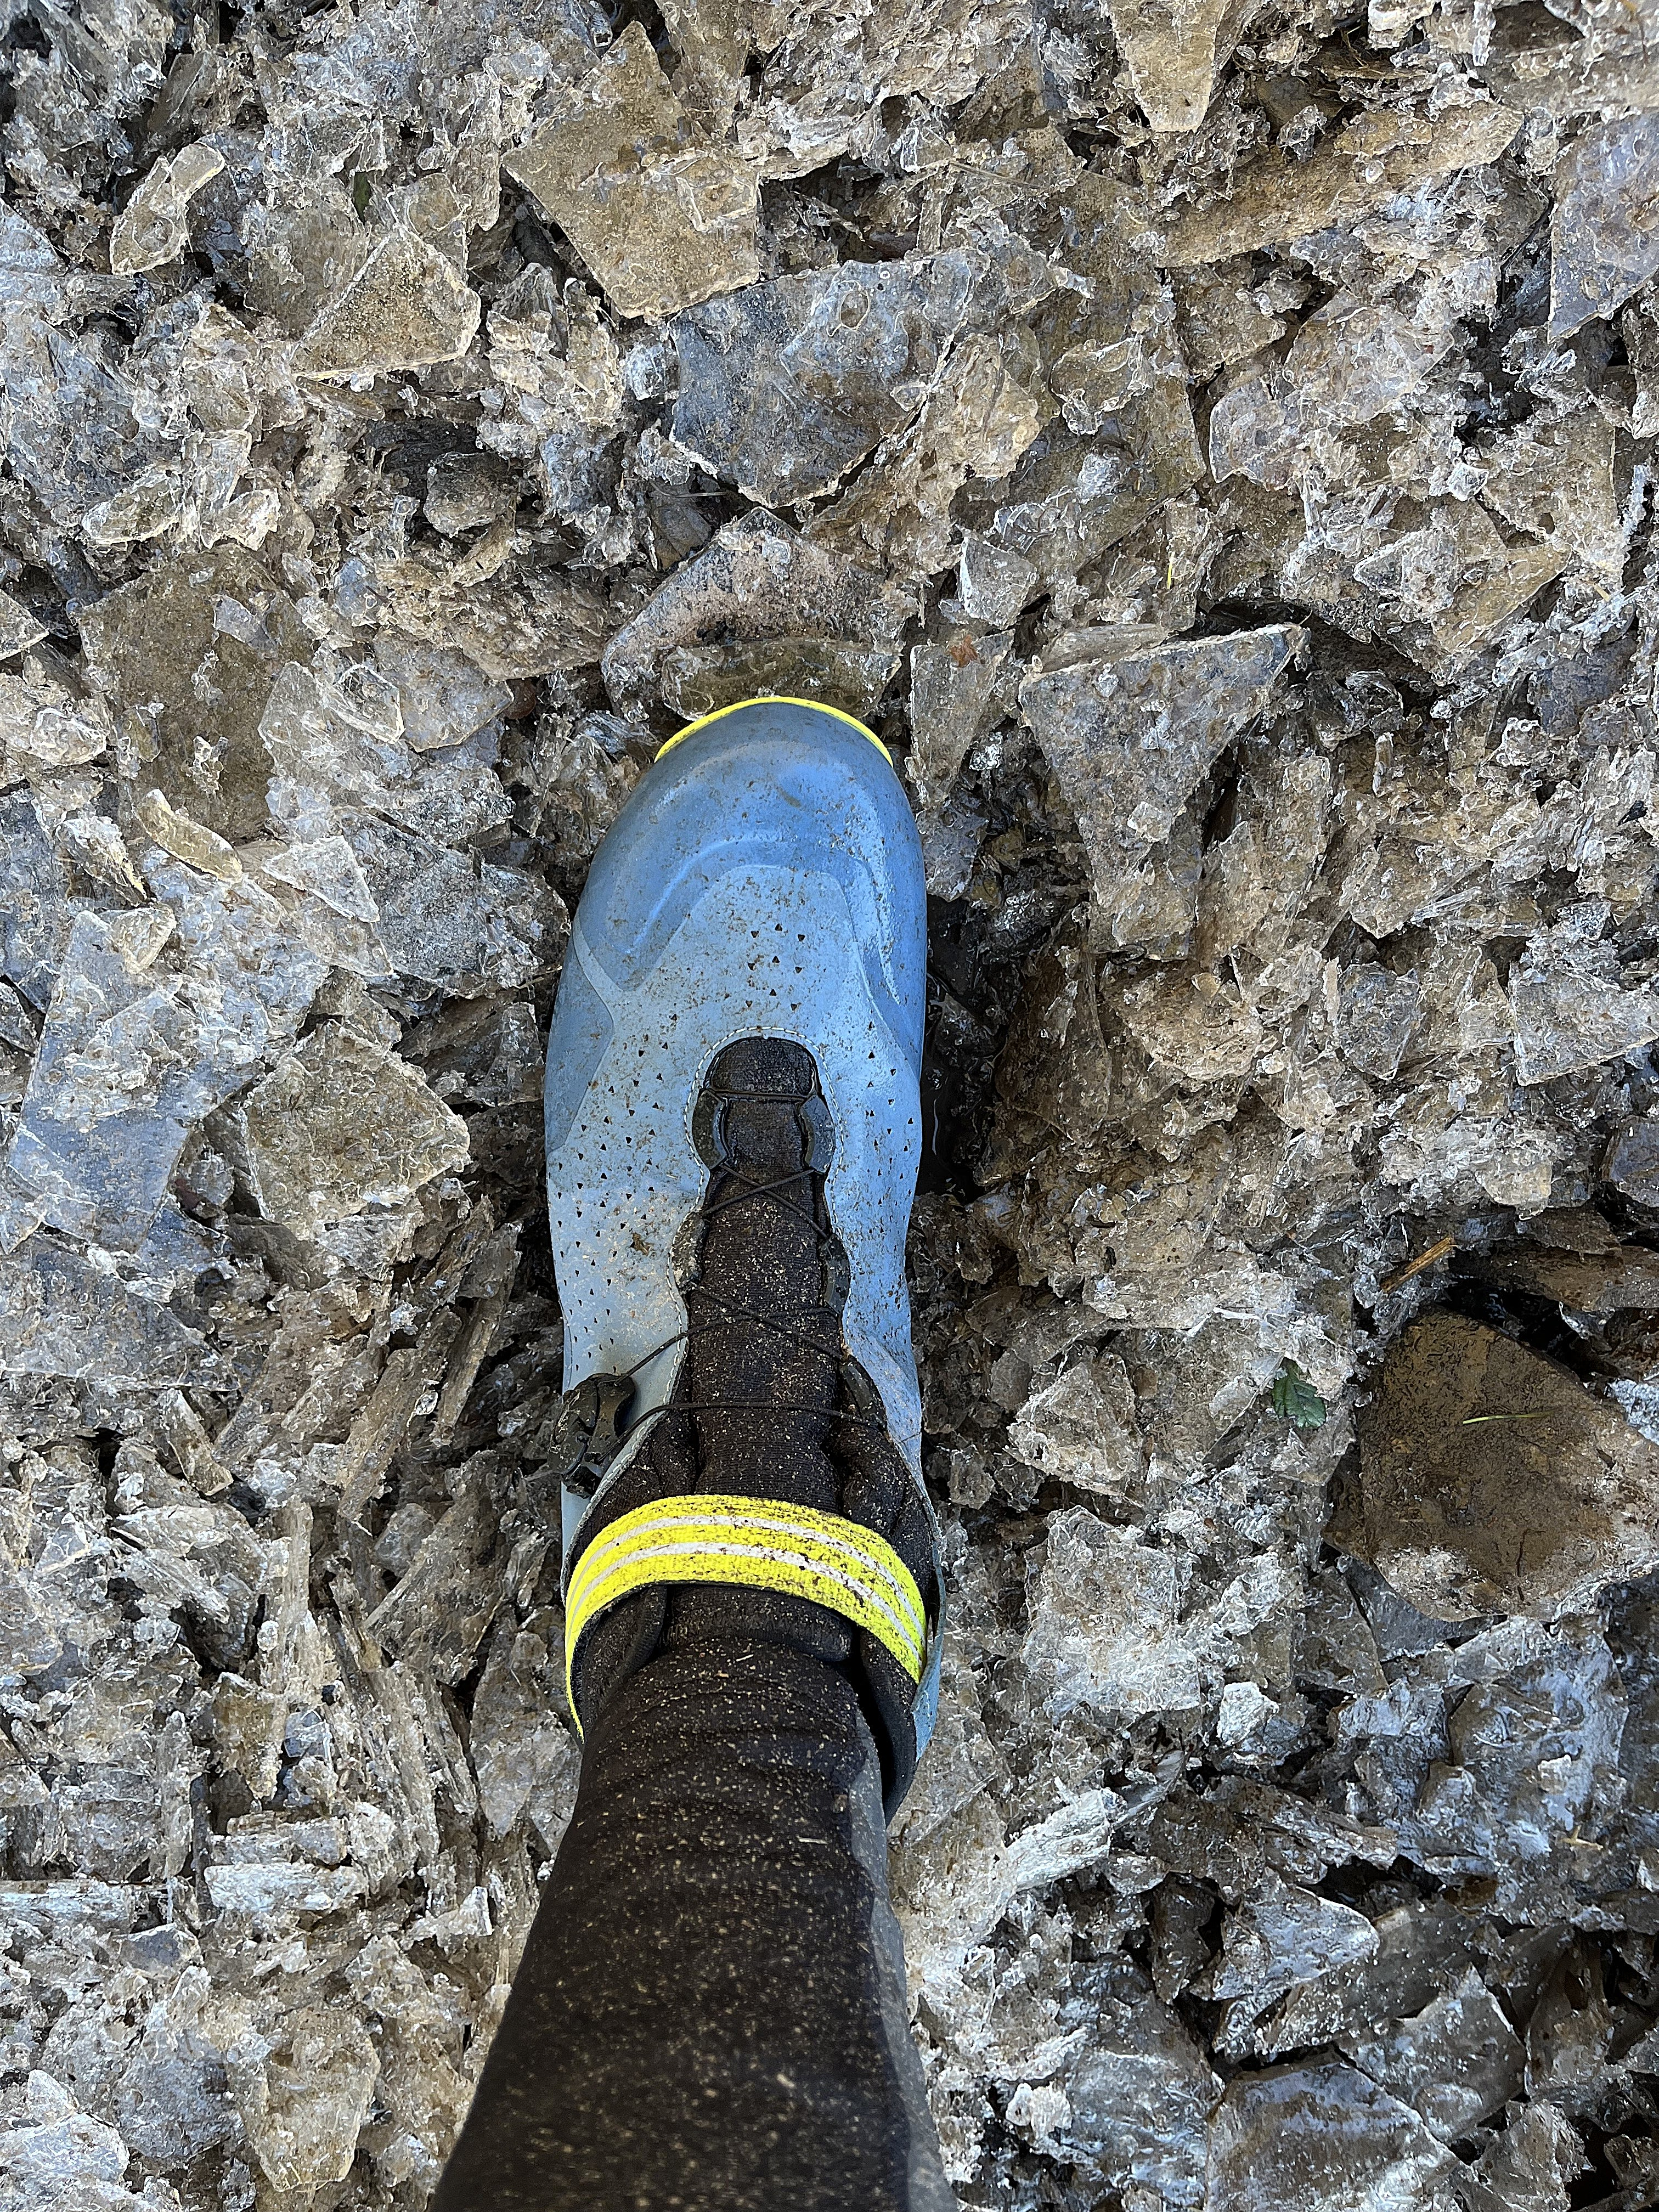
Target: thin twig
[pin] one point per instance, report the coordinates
(1426, 1258)
(1538, 1413)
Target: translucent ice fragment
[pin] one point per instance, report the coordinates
(784, 386)
(662, 213)
(60, 1314)
(1604, 242)
(151, 228)
(1130, 728)
(340, 1125)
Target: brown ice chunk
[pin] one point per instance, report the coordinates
(1173, 48)
(1490, 1479)
(1558, 481)
(1349, 363)
(757, 582)
(663, 214)
(301, 2088)
(956, 690)
(714, 40)
(407, 308)
(1380, 156)
(186, 654)
(509, 618)
(343, 1124)
(1191, 1021)
(408, 305)
(443, 1606)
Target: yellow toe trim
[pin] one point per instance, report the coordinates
(777, 699)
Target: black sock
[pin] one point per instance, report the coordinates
(710, 2012)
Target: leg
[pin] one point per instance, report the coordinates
(710, 2013)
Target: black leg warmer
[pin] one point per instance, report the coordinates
(710, 2014)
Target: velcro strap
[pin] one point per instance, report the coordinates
(756, 1543)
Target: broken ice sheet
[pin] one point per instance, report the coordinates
(1457, 2062)
(443, 1605)
(1280, 1938)
(1349, 362)
(524, 1754)
(1107, 1626)
(187, 656)
(135, 1052)
(1131, 724)
(152, 228)
(19, 629)
(1379, 156)
(663, 214)
(757, 583)
(1446, 586)
(1173, 52)
(1556, 481)
(886, 148)
(60, 1314)
(1570, 1014)
(510, 617)
(957, 691)
(983, 411)
(1137, 2092)
(73, 438)
(302, 2089)
(1081, 1428)
(449, 919)
(408, 307)
(785, 387)
(1603, 243)
(35, 914)
(1192, 1021)
(1322, 2136)
(444, 697)
(343, 1124)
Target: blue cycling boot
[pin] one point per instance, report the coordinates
(733, 1131)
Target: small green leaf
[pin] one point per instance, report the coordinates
(360, 189)
(1295, 1399)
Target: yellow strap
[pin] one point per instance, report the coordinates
(758, 1543)
(777, 699)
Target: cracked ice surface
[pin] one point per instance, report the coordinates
(1212, 445)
